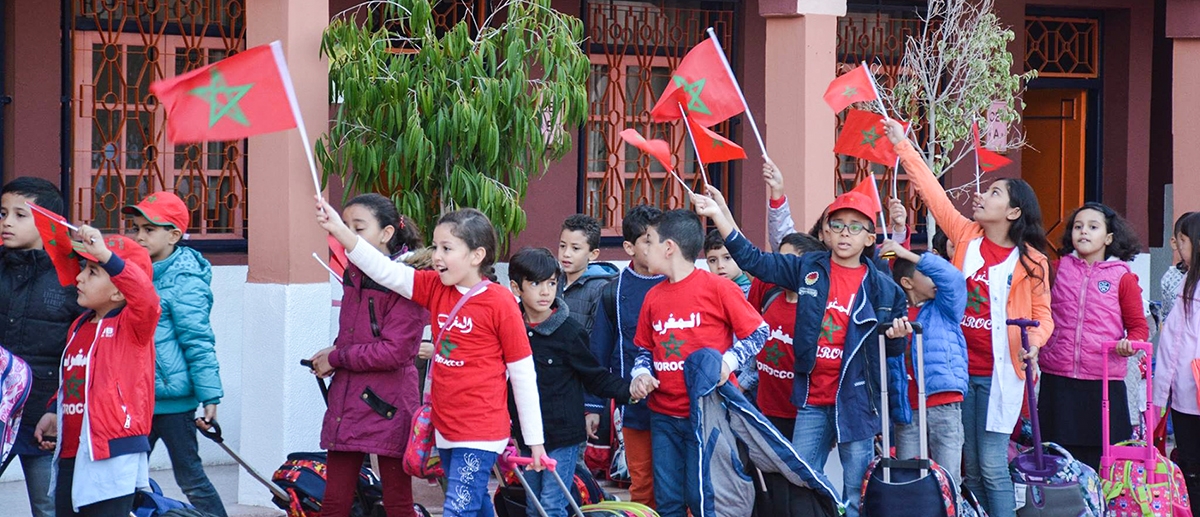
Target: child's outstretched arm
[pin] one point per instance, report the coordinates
(141, 300)
(922, 179)
(779, 212)
(773, 268)
(396, 276)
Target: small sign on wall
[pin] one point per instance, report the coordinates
(995, 135)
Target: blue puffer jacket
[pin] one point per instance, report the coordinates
(945, 346)
(186, 373)
(878, 301)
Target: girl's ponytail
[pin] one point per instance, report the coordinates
(405, 233)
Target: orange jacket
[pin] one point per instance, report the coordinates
(1028, 297)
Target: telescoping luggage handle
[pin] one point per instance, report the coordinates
(1039, 457)
(510, 461)
(214, 433)
(1112, 453)
(887, 462)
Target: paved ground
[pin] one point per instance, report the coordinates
(224, 477)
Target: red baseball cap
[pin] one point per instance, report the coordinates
(162, 209)
(856, 201)
(128, 249)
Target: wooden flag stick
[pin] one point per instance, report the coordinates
(290, 89)
(692, 137)
(749, 115)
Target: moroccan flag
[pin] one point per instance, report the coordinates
(712, 95)
(849, 88)
(337, 257)
(57, 242)
(862, 137)
(659, 149)
(712, 147)
(871, 190)
(247, 94)
(988, 160)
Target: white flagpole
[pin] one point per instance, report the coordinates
(875, 88)
(692, 137)
(326, 266)
(896, 169)
(978, 173)
(290, 89)
(749, 115)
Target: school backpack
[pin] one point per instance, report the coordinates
(1138, 479)
(302, 477)
(15, 384)
(616, 509)
(153, 503)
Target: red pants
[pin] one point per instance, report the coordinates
(639, 460)
(341, 482)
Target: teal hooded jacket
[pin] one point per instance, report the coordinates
(186, 373)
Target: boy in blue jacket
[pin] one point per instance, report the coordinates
(186, 373)
(836, 361)
(937, 297)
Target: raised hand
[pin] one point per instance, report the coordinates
(897, 250)
(893, 130)
(897, 213)
(93, 243)
(773, 177)
(329, 220)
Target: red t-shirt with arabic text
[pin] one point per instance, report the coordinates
(74, 394)
(470, 388)
(776, 360)
(702, 310)
(977, 320)
(844, 283)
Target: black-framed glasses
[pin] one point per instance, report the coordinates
(854, 228)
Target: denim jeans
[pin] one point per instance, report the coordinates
(115, 507)
(37, 483)
(677, 468)
(467, 474)
(553, 500)
(816, 434)
(945, 430)
(178, 433)
(985, 453)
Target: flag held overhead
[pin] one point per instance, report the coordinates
(237, 97)
(712, 96)
(56, 240)
(659, 149)
(863, 137)
(988, 160)
(849, 88)
(712, 147)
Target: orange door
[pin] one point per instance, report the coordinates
(1055, 122)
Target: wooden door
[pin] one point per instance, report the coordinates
(1055, 123)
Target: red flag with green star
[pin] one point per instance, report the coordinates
(712, 147)
(712, 95)
(988, 160)
(57, 243)
(243, 95)
(862, 137)
(849, 88)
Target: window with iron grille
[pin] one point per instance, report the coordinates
(633, 47)
(120, 151)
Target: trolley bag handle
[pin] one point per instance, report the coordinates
(1111, 453)
(1030, 396)
(509, 460)
(886, 461)
(320, 382)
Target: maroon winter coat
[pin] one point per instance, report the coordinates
(379, 334)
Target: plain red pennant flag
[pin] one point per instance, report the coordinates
(862, 137)
(871, 190)
(712, 147)
(337, 257)
(56, 240)
(659, 149)
(988, 160)
(849, 88)
(712, 95)
(240, 96)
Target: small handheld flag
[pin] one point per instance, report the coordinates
(659, 149)
(863, 137)
(712, 96)
(57, 243)
(988, 161)
(849, 88)
(337, 257)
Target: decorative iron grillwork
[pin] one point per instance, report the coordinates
(120, 152)
(1062, 47)
(633, 47)
(879, 38)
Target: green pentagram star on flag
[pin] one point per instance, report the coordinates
(975, 298)
(828, 328)
(850, 91)
(870, 136)
(773, 354)
(671, 345)
(693, 89)
(223, 99)
(447, 348)
(702, 83)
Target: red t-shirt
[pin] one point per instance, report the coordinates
(701, 311)
(470, 390)
(977, 320)
(937, 399)
(775, 360)
(844, 283)
(74, 390)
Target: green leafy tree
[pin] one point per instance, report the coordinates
(951, 74)
(460, 118)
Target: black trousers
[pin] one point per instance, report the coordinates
(1187, 442)
(116, 507)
